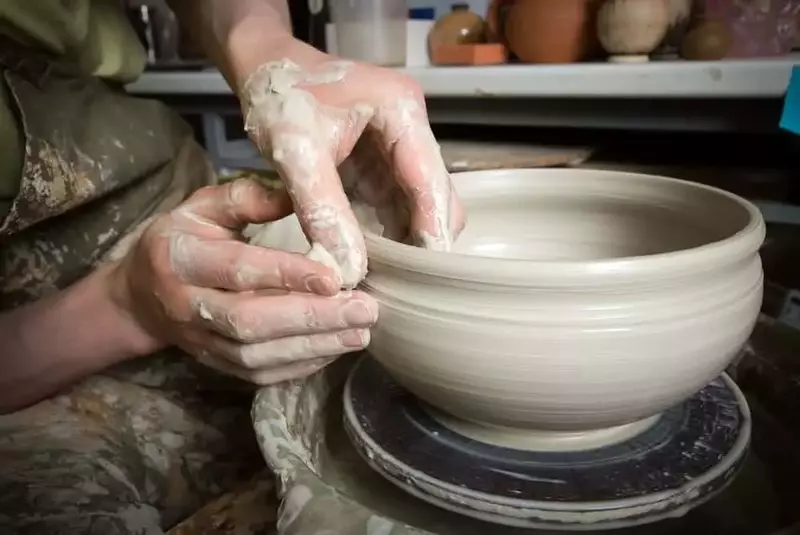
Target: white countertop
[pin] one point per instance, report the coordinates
(763, 78)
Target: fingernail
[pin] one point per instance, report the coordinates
(320, 285)
(356, 339)
(358, 313)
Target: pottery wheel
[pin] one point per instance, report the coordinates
(686, 457)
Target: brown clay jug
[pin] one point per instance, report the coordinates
(708, 39)
(546, 31)
(459, 27)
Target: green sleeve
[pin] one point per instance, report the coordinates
(95, 34)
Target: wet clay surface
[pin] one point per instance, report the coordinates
(747, 507)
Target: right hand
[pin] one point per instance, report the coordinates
(340, 130)
(260, 314)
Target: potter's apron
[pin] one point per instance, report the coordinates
(142, 446)
(96, 163)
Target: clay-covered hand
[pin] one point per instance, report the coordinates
(336, 129)
(260, 314)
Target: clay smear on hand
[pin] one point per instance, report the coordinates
(287, 124)
(302, 137)
(410, 141)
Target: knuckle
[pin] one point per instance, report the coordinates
(249, 356)
(172, 313)
(310, 314)
(413, 88)
(243, 323)
(395, 81)
(284, 274)
(174, 306)
(228, 277)
(292, 350)
(155, 229)
(151, 245)
(224, 275)
(295, 152)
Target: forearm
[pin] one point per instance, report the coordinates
(238, 35)
(56, 341)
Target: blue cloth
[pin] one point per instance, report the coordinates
(790, 118)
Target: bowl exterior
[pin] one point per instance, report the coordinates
(582, 355)
(561, 361)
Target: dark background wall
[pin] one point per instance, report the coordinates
(309, 28)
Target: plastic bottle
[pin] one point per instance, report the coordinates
(371, 30)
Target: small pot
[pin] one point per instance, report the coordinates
(459, 27)
(708, 39)
(630, 30)
(545, 31)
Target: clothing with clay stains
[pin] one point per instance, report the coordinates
(141, 447)
(94, 35)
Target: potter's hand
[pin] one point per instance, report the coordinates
(310, 113)
(260, 314)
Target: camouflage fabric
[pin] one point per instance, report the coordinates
(144, 446)
(97, 163)
(247, 510)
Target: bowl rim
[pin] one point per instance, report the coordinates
(593, 273)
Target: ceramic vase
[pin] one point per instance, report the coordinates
(630, 30)
(708, 39)
(576, 303)
(459, 27)
(545, 31)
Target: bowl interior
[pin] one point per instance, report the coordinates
(580, 220)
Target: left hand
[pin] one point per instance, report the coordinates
(263, 315)
(316, 116)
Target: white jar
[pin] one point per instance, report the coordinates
(373, 31)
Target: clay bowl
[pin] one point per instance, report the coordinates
(576, 306)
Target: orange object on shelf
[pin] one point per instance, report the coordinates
(479, 54)
(546, 31)
(459, 27)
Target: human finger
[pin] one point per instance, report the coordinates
(296, 370)
(235, 204)
(262, 316)
(282, 352)
(309, 172)
(239, 267)
(421, 173)
(292, 372)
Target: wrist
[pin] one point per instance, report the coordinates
(60, 339)
(238, 35)
(136, 341)
(249, 47)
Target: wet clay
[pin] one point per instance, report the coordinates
(574, 301)
(280, 116)
(533, 440)
(287, 234)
